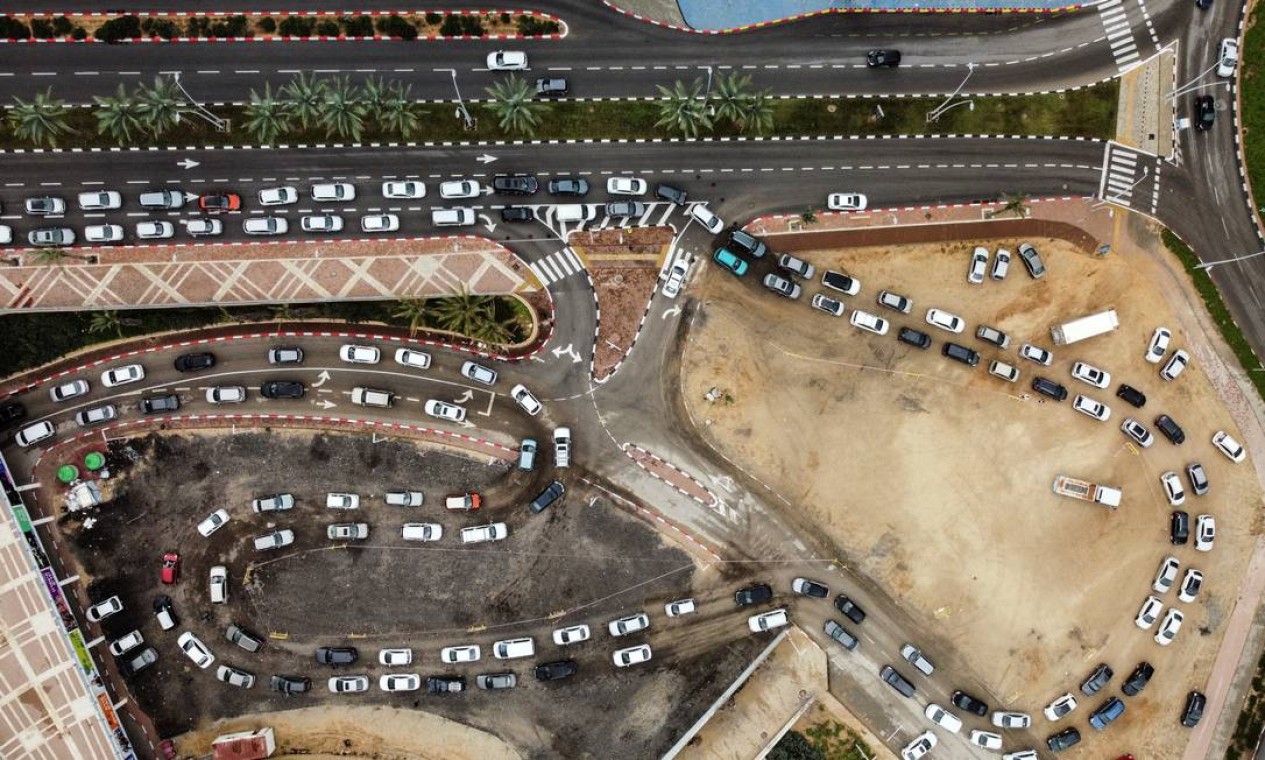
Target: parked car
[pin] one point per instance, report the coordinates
(850, 609)
(213, 522)
(993, 335)
(1198, 478)
(767, 621)
(631, 656)
(1193, 711)
(552, 493)
(104, 609)
(1176, 364)
(170, 568)
(571, 635)
(1169, 626)
(555, 671)
(1205, 532)
(194, 362)
(1191, 583)
(1031, 261)
(964, 701)
(459, 654)
(1107, 713)
(758, 593)
(1138, 679)
(1091, 375)
(626, 186)
(160, 404)
(914, 656)
(1064, 739)
(1228, 446)
(126, 643)
(843, 283)
(1173, 490)
(895, 302)
(1137, 432)
(1166, 575)
(94, 233)
(1179, 528)
(680, 607)
(1001, 264)
(629, 624)
(919, 746)
(1131, 395)
(831, 306)
(290, 684)
(525, 400)
(195, 650)
(241, 637)
(807, 587)
(1060, 707)
(864, 320)
(235, 676)
(730, 261)
(846, 202)
(782, 286)
(442, 411)
(945, 321)
(335, 656)
(915, 338)
(979, 266)
(1158, 346)
(1099, 678)
(796, 266)
(841, 635)
(1171, 430)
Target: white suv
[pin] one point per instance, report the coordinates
(945, 321)
(333, 192)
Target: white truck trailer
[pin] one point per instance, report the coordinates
(1086, 491)
(1085, 327)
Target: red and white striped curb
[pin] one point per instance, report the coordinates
(654, 515)
(628, 447)
(302, 241)
(925, 207)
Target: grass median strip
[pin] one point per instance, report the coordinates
(1251, 104)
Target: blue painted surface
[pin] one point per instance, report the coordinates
(727, 14)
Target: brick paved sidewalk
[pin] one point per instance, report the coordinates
(245, 274)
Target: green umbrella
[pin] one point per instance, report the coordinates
(94, 461)
(67, 473)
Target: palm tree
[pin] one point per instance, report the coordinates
(398, 113)
(492, 330)
(105, 322)
(267, 118)
(118, 116)
(53, 255)
(281, 311)
(1016, 204)
(809, 216)
(514, 105)
(304, 95)
(683, 109)
(415, 310)
(161, 106)
(342, 113)
(731, 95)
(463, 313)
(373, 92)
(757, 114)
(41, 120)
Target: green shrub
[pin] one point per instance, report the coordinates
(79, 34)
(473, 26)
(357, 26)
(12, 29)
(62, 26)
(394, 26)
(434, 19)
(327, 28)
(267, 24)
(121, 28)
(795, 746)
(530, 26)
(197, 27)
(505, 18)
(42, 29)
(238, 26)
(296, 26)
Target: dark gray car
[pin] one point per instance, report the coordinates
(841, 635)
(628, 209)
(1097, 680)
(496, 681)
(896, 681)
(547, 497)
(335, 656)
(243, 638)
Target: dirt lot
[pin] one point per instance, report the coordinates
(934, 478)
(583, 560)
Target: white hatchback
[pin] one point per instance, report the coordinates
(403, 189)
(354, 354)
(626, 186)
(1173, 490)
(573, 634)
(526, 400)
(869, 322)
(103, 233)
(1036, 354)
(979, 266)
(155, 230)
(1169, 626)
(379, 223)
(1158, 346)
(945, 321)
(680, 607)
(507, 60)
(266, 225)
(226, 394)
(1228, 446)
(278, 196)
(333, 192)
(129, 373)
(195, 650)
(1149, 613)
(408, 357)
(464, 188)
(1167, 575)
(846, 202)
(703, 215)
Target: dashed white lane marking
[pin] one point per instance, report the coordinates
(1119, 33)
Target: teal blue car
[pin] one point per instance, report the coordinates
(730, 261)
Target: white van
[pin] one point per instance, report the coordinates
(576, 212)
(510, 649)
(480, 533)
(452, 217)
(422, 531)
(370, 397)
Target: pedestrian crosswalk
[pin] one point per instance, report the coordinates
(1119, 33)
(1124, 169)
(556, 266)
(655, 215)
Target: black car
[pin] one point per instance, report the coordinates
(12, 412)
(335, 656)
(574, 187)
(962, 353)
(555, 671)
(964, 701)
(1047, 387)
(914, 337)
(282, 389)
(1171, 430)
(195, 362)
(757, 594)
(160, 404)
(1097, 680)
(850, 608)
(1062, 740)
(445, 684)
(895, 680)
(547, 497)
(243, 638)
(809, 587)
(1179, 528)
(1138, 679)
(517, 214)
(882, 59)
(290, 684)
(840, 282)
(1131, 395)
(551, 87)
(1193, 712)
(671, 194)
(515, 184)
(1205, 112)
(1203, 4)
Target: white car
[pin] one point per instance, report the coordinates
(97, 415)
(704, 216)
(1149, 613)
(1228, 446)
(478, 534)
(1036, 354)
(379, 223)
(1227, 57)
(235, 676)
(1023, 754)
(767, 621)
(525, 399)
(979, 266)
(631, 656)
(347, 532)
(213, 522)
(479, 373)
(34, 433)
(463, 188)
(629, 624)
(225, 394)
(1091, 408)
(422, 531)
(1001, 264)
(100, 200)
(348, 684)
(204, 227)
(408, 357)
(6, 233)
(867, 321)
(1138, 432)
(1169, 626)
(353, 354)
(218, 584)
(278, 196)
(400, 682)
(1088, 373)
(102, 610)
(195, 650)
(1011, 719)
(676, 278)
(103, 233)
(985, 739)
(403, 498)
(80, 387)
(573, 634)
(945, 321)
(1175, 366)
(920, 746)
(1060, 707)
(832, 306)
(680, 607)
(626, 186)
(1173, 489)
(122, 376)
(126, 643)
(1166, 575)
(463, 653)
(342, 501)
(321, 223)
(333, 192)
(266, 225)
(507, 60)
(155, 230)
(1158, 346)
(403, 189)
(846, 202)
(1191, 584)
(447, 412)
(395, 657)
(943, 718)
(1205, 533)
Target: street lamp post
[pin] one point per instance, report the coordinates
(210, 118)
(935, 113)
(461, 104)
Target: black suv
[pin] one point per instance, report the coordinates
(1179, 528)
(964, 701)
(963, 354)
(194, 362)
(1063, 739)
(914, 337)
(1098, 679)
(1171, 430)
(896, 681)
(1205, 112)
(159, 404)
(291, 684)
(12, 412)
(745, 242)
(850, 609)
(1131, 395)
(840, 282)
(671, 194)
(551, 87)
(547, 497)
(515, 184)
(336, 656)
(756, 594)
(1193, 712)
(574, 187)
(882, 59)
(282, 389)
(555, 671)
(1047, 387)
(1138, 679)
(516, 214)
(445, 684)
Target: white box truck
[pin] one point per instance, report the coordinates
(1085, 327)
(1086, 491)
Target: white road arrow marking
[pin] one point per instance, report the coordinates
(467, 424)
(568, 351)
(321, 379)
(485, 158)
(327, 404)
(463, 398)
(188, 163)
(671, 312)
(488, 223)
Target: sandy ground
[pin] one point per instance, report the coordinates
(934, 479)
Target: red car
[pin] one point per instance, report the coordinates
(171, 567)
(217, 202)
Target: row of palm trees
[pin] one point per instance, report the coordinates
(343, 109)
(687, 109)
(148, 110)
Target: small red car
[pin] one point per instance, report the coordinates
(217, 202)
(171, 567)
